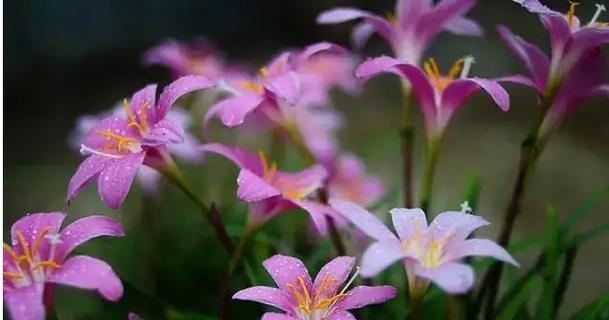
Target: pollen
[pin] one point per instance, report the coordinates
(571, 12)
(120, 141)
(433, 72)
(268, 171)
(142, 124)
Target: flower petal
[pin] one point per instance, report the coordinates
(233, 110)
(362, 296)
(379, 256)
(85, 229)
(276, 316)
(344, 14)
(458, 91)
(89, 273)
(285, 86)
(97, 141)
(361, 33)
(145, 97)
(241, 157)
(178, 88)
(115, 181)
(164, 132)
(253, 188)
(454, 278)
(408, 223)
(337, 271)
(479, 247)
(464, 26)
(341, 315)
(458, 224)
(317, 212)
(188, 150)
(266, 295)
(26, 303)
(31, 225)
(364, 220)
(314, 49)
(520, 79)
(286, 270)
(88, 170)
(432, 22)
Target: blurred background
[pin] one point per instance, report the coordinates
(67, 58)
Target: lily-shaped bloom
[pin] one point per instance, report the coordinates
(411, 28)
(277, 84)
(323, 299)
(429, 253)
(118, 146)
(348, 181)
(439, 96)
(149, 178)
(271, 191)
(38, 256)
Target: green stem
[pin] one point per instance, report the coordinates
(407, 145)
(565, 276)
(431, 161)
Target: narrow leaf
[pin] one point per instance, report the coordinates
(518, 302)
(584, 208)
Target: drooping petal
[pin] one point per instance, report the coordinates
(317, 212)
(534, 59)
(333, 275)
(454, 278)
(364, 220)
(266, 295)
(164, 132)
(253, 188)
(286, 271)
(26, 303)
(89, 273)
(178, 88)
(88, 170)
(341, 315)
(285, 86)
(464, 26)
(361, 33)
(520, 79)
(115, 181)
(362, 296)
(379, 256)
(31, 225)
(478, 247)
(457, 224)
(409, 223)
(85, 229)
(277, 316)
(233, 110)
(344, 14)
(243, 158)
(458, 91)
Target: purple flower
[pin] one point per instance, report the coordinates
(429, 253)
(39, 255)
(272, 191)
(323, 299)
(349, 182)
(439, 96)
(276, 84)
(413, 26)
(118, 146)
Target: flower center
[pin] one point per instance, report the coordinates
(291, 187)
(439, 81)
(30, 267)
(142, 124)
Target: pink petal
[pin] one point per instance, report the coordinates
(458, 224)
(316, 48)
(520, 79)
(303, 182)
(432, 22)
(340, 15)
(88, 170)
(364, 220)
(241, 157)
(115, 181)
(26, 303)
(454, 278)
(89, 273)
(362, 296)
(285, 86)
(341, 315)
(409, 12)
(286, 270)
(178, 88)
(360, 34)
(336, 270)
(408, 223)
(479, 247)
(584, 41)
(464, 26)
(115, 124)
(379, 256)
(233, 110)
(164, 132)
(32, 224)
(317, 212)
(277, 316)
(253, 188)
(266, 295)
(149, 180)
(144, 97)
(85, 229)
(189, 150)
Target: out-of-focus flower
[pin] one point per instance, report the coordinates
(38, 256)
(277, 84)
(303, 299)
(272, 191)
(439, 96)
(429, 253)
(411, 28)
(118, 146)
(348, 181)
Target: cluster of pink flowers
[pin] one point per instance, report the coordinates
(289, 96)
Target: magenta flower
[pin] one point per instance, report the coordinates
(439, 96)
(348, 181)
(272, 191)
(429, 253)
(38, 257)
(412, 28)
(277, 84)
(303, 299)
(118, 146)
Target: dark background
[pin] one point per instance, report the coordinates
(65, 58)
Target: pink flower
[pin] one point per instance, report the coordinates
(413, 26)
(303, 299)
(349, 182)
(39, 256)
(439, 96)
(429, 253)
(272, 191)
(118, 146)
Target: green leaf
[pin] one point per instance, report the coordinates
(584, 209)
(552, 251)
(593, 309)
(519, 301)
(582, 237)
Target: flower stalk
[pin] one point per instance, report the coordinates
(433, 148)
(407, 134)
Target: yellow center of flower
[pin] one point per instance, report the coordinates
(251, 86)
(433, 72)
(142, 124)
(390, 16)
(290, 187)
(317, 305)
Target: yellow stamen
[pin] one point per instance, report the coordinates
(324, 303)
(390, 16)
(48, 264)
(268, 172)
(305, 290)
(121, 140)
(11, 253)
(12, 275)
(39, 239)
(433, 72)
(24, 246)
(571, 12)
(264, 71)
(141, 126)
(251, 85)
